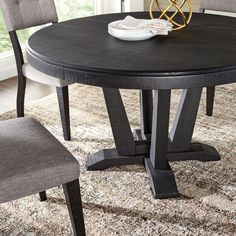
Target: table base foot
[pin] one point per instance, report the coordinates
(162, 182)
(197, 152)
(109, 158)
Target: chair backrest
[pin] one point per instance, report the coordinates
(21, 14)
(218, 5)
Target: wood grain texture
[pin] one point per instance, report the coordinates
(63, 102)
(82, 51)
(75, 208)
(119, 122)
(210, 100)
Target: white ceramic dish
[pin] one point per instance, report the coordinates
(128, 35)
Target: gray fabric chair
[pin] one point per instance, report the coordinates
(215, 5)
(22, 14)
(218, 5)
(32, 160)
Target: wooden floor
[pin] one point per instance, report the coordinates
(8, 90)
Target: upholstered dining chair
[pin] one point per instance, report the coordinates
(32, 160)
(22, 14)
(215, 5)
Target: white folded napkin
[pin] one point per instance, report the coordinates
(156, 26)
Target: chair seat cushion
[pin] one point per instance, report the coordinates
(32, 160)
(35, 75)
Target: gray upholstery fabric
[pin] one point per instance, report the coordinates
(21, 14)
(218, 5)
(31, 160)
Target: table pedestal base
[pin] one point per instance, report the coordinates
(162, 182)
(107, 158)
(154, 145)
(197, 152)
(137, 133)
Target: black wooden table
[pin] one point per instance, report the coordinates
(203, 54)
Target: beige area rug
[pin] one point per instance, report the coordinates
(118, 201)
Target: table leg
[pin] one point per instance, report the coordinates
(183, 126)
(128, 151)
(177, 146)
(146, 106)
(161, 176)
(181, 148)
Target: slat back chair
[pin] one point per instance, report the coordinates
(22, 14)
(33, 160)
(223, 6)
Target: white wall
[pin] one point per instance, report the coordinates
(113, 6)
(133, 5)
(8, 65)
(107, 6)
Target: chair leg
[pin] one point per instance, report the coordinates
(210, 100)
(63, 101)
(20, 101)
(74, 204)
(43, 196)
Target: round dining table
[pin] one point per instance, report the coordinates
(201, 55)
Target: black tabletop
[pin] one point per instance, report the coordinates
(81, 50)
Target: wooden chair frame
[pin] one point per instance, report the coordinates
(62, 92)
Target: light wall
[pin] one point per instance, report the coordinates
(133, 5)
(107, 6)
(113, 6)
(164, 3)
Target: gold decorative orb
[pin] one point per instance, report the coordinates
(174, 9)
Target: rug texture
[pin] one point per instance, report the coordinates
(118, 201)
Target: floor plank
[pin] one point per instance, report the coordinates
(8, 90)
